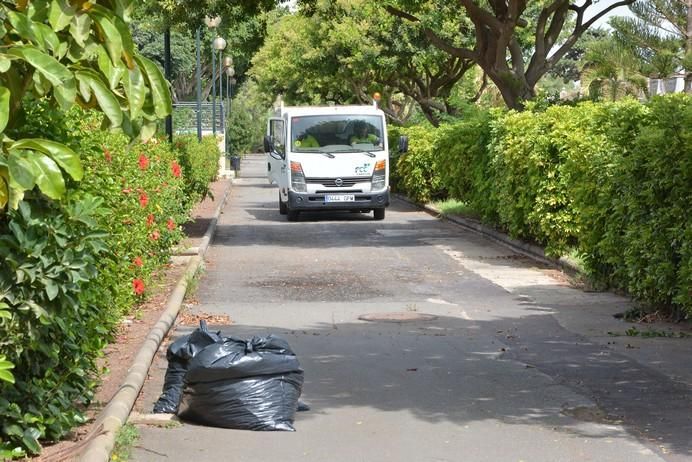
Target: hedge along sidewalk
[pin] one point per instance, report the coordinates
(113, 417)
(530, 250)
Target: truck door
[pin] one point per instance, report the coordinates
(276, 156)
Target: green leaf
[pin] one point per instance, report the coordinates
(5, 63)
(110, 36)
(160, 92)
(4, 193)
(48, 175)
(47, 36)
(107, 101)
(64, 156)
(5, 367)
(22, 174)
(60, 14)
(5, 95)
(30, 440)
(80, 29)
(52, 288)
(136, 91)
(57, 74)
(22, 25)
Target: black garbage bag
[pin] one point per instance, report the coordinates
(179, 354)
(243, 384)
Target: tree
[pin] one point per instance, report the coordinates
(554, 26)
(612, 70)
(346, 51)
(660, 33)
(70, 53)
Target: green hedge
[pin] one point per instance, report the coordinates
(71, 269)
(612, 181)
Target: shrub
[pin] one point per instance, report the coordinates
(71, 269)
(200, 164)
(416, 171)
(611, 180)
(52, 332)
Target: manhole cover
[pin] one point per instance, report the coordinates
(406, 316)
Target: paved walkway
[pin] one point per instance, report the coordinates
(515, 365)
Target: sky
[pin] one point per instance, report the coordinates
(620, 11)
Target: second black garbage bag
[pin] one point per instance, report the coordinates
(243, 384)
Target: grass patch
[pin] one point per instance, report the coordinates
(124, 442)
(455, 207)
(192, 282)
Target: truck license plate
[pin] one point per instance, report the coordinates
(339, 198)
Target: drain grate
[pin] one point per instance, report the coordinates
(402, 316)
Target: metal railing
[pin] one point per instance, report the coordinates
(185, 117)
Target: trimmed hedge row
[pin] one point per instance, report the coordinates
(612, 181)
(72, 269)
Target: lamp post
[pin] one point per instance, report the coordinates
(211, 23)
(230, 72)
(218, 46)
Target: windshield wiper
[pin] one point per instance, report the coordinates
(328, 154)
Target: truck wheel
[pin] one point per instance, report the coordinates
(378, 214)
(292, 215)
(283, 207)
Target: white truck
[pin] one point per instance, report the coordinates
(329, 158)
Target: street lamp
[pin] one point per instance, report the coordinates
(211, 23)
(230, 72)
(218, 46)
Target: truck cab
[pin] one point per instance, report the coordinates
(328, 158)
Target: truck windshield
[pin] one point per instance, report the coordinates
(336, 133)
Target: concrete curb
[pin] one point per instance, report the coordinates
(114, 416)
(532, 251)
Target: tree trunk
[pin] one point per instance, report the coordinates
(514, 90)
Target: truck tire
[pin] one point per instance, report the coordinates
(283, 207)
(378, 214)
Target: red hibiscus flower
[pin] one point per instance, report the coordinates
(143, 199)
(175, 168)
(138, 262)
(150, 219)
(155, 235)
(143, 162)
(171, 224)
(138, 286)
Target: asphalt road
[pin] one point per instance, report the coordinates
(515, 366)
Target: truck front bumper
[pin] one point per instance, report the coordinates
(362, 201)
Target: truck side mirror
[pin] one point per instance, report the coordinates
(403, 144)
(268, 144)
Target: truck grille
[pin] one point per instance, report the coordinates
(346, 182)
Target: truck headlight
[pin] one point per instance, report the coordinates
(298, 177)
(379, 176)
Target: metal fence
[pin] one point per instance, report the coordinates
(185, 117)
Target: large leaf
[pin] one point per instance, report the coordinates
(160, 92)
(80, 29)
(4, 107)
(48, 175)
(57, 74)
(22, 25)
(5, 63)
(110, 35)
(4, 193)
(22, 174)
(64, 156)
(104, 96)
(5, 367)
(61, 14)
(136, 91)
